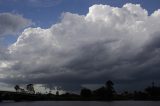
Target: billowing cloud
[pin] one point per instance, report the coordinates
(12, 23)
(121, 44)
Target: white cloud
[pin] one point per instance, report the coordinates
(107, 42)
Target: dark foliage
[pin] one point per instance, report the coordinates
(104, 93)
(86, 93)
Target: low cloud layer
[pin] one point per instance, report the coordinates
(121, 44)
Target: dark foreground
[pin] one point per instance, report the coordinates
(16, 96)
(104, 93)
(82, 103)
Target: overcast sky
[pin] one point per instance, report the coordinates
(75, 43)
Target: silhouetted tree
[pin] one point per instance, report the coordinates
(110, 89)
(100, 93)
(109, 85)
(30, 88)
(153, 91)
(86, 92)
(57, 93)
(17, 88)
(106, 92)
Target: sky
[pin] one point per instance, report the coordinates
(79, 43)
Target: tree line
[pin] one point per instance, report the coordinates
(103, 93)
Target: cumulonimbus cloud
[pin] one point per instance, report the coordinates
(106, 43)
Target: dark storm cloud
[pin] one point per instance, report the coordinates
(148, 60)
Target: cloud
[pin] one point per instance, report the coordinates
(12, 23)
(121, 44)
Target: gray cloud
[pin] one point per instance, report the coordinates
(121, 44)
(12, 23)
